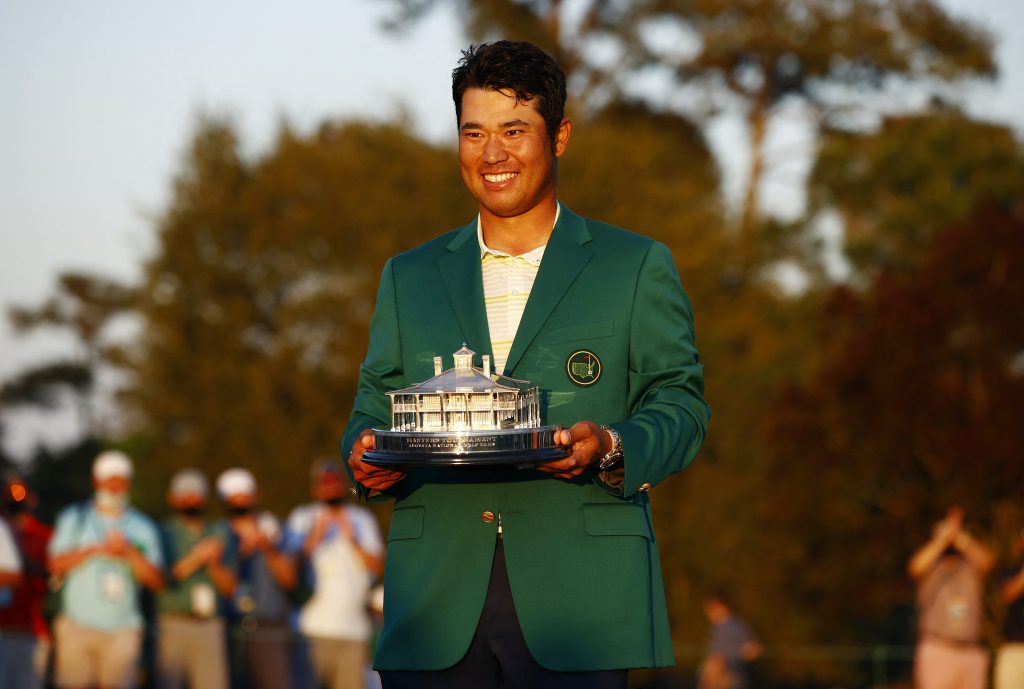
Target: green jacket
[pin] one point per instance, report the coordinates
(582, 560)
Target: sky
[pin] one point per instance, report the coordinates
(99, 99)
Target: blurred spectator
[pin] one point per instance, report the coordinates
(731, 649)
(1009, 670)
(24, 637)
(10, 579)
(191, 648)
(265, 575)
(950, 570)
(103, 549)
(342, 543)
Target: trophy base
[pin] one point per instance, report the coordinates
(515, 447)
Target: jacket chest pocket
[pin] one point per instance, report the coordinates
(579, 332)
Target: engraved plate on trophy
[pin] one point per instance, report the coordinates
(465, 416)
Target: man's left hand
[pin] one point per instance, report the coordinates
(585, 441)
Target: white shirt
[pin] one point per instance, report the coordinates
(10, 558)
(337, 608)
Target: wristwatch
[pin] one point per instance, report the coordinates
(613, 459)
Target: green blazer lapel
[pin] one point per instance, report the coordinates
(564, 258)
(460, 271)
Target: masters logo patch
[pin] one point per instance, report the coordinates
(583, 368)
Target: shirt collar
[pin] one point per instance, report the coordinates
(532, 257)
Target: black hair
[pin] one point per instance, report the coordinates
(518, 67)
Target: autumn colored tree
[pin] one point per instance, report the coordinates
(915, 410)
(256, 302)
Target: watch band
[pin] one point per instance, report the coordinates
(613, 459)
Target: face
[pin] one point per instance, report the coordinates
(240, 502)
(330, 487)
(113, 484)
(505, 153)
(187, 501)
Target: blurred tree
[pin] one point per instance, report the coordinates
(257, 300)
(762, 54)
(83, 306)
(915, 409)
(896, 187)
(754, 55)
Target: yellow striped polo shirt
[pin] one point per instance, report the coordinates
(507, 283)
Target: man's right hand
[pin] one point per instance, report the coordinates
(370, 476)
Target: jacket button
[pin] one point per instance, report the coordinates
(643, 488)
(487, 516)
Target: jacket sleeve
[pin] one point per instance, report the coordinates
(380, 372)
(668, 416)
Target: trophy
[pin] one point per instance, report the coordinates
(465, 416)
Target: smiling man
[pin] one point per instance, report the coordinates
(548, 577)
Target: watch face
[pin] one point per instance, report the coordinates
(611, 461)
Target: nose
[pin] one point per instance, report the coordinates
(494, 150)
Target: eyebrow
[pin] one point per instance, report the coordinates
(504, 125)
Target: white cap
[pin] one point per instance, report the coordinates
(236, 481)
(189, 482)
(110, 464)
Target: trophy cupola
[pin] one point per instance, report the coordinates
(464, 357)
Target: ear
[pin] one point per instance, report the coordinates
(562, 136)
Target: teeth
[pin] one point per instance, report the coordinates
(497, 179)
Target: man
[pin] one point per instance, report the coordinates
(342, 543)
(731, 649)
(950, 570)
(265, 575)
(1009, 670)
(550, 577)
(24, 636)
(104, 550)
(191, 647)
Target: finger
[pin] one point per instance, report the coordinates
(559, 465)
(581, 430)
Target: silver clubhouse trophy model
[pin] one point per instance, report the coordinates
(465, 416)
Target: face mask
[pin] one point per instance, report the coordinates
(193, 511)
(111, 501)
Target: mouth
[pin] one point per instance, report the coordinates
(499, 178)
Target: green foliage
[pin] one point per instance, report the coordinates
(42, 386)
(895, 188)
(83, 306)
(82, 303)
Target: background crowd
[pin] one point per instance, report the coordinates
(109, 598)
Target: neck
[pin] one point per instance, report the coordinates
(519, 234)
(107, 511)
